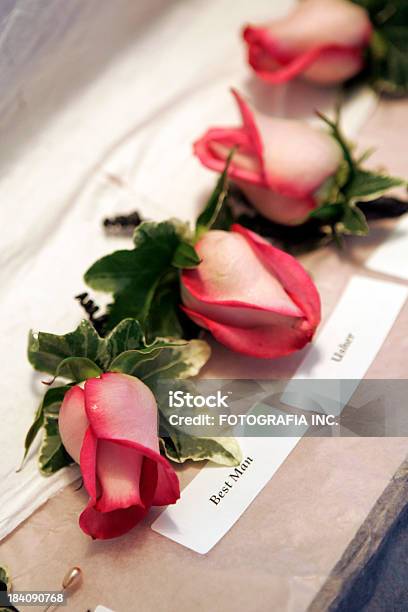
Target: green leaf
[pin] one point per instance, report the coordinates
(352, 184)
(135, 276)
(77, 369)
(366, 185)
(50, 405)
(165, 319)
(353, 222)
(185, 256)
(155, 245)
(65, 355)
(328, 213)
(53, 456)
(47, 351)
(180, 447)
(164, 360)
(127, 335)
(216, 214)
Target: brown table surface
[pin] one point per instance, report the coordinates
(283, 548)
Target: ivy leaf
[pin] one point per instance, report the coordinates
(387, 56)
(180, 447)
(47, 351)
(52, 456)
(77, 369)
(127, 335)
(216, 213)
(164, 359)
(135, 276)
(66, 355)
(50, 405)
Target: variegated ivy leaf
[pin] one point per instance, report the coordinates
(164, 360)
(180, 447)
(127, 335)
(52, 456)
(82, 354)
(49, 407)
(47, 351)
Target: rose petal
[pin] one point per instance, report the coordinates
(73, 422)
(245, 326)
(111, 524)
(298, 158)
(287, 210)
(232, 276)
(104, 526)
(290, 273)
(265, 342)
(119, 470)
(122, 408)
(213, 148)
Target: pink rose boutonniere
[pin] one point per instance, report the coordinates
(281, 165)
(253, 298)
(324, 41)
(110, 429)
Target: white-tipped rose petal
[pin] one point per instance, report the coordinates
(73, 422)
(252, 297)
(231, 273)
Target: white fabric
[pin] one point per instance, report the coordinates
(91, 93)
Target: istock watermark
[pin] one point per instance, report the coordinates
(185, 399)
(280, 408)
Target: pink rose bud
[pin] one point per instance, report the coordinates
(281, 165)
(110, 429)
(252, 297)
(322, 40)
